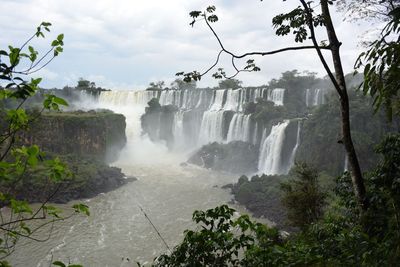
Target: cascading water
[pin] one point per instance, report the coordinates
(232, 100)
(270, 162)
(315, 97)
(217, 102)
(276, 95)
(211, 129)
(346, 163)
(239, 128)
(294, 151)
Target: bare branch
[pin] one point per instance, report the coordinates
(215, 64)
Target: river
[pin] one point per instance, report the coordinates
(117, 230)
(117, 233)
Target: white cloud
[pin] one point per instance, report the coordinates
(129, 43)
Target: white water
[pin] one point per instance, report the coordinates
(276, 95)
(239, 128)
(211, 129)
(270, 152)
(315, 97)
(294, 151)
(233, 100)
(346, 163)
(117, 229)
(217, 102)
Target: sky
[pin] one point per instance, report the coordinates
(126, 44)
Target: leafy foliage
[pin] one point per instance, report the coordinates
(338, 238)
(219, 241)
(230, 83)
(382, 66)
(303, 197)
(16, 161)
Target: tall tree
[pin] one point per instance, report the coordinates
(301, 22)
(230, 83)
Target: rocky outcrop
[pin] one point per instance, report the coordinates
(98, 134)
(236, 157)
(262, 196)
(158, 121)
(90, 177)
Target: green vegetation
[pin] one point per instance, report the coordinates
(261, 195)
(320, 135)
(179, 84)
(16, 162)
(339, 235)
(156, 85)
(235, 157)
(229, 84)
(98, 134)
(303, 196)
(88, 177)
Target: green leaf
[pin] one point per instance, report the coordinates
(60, 101)
(195, 14)
(59, 263)
(46, 24)
(81, 208)
(60, 37)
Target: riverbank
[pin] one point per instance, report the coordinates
(90, 177)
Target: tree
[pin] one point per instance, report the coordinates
(82, 83)
(372, 10)
(230, 84)
(220, 240)
(381, 64)
(303, 197)
(156, 85)
(179, 84)
(16, 161)
(301, 22)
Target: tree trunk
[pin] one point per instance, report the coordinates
(356, 174)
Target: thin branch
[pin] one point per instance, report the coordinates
(33, 217)
(318, 49)
(28, 71)
(215, 64)
(255, 53)
(266, 53)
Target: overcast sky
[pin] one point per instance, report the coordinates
(126, 44)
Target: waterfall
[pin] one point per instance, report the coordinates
(346, 164)
(232, 100)
(255, 134)
(178, 130)
(293, 154)
(276, 95)
(126, 97)
(200, 117)
(167, 97)
(308, 95)
(199, 103)
(211, 127)
(239, 128)
(218, 100)
(315, 97)
(270, 151)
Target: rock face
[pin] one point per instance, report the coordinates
(236, 157)
(158, 121)
(84, 141)
(96, 134)
(90, 177)
(261, 195)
